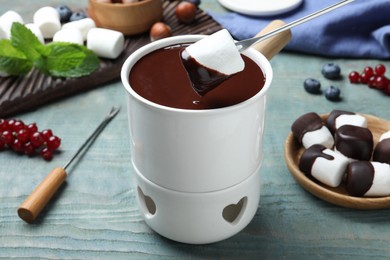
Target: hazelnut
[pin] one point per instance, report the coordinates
(186, 12)
(160, 30)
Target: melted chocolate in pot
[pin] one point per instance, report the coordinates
(160, 77)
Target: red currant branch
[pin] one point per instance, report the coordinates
(26, 139)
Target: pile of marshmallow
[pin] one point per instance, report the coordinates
(341, 148)
(46, 25)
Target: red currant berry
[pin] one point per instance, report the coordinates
(18, 125)
(369, 71)
(380, 70)
(381, 82)
(23, 136)
(47, 133)
(372, 82)
(7, 137)
(36, 139)
(354, 77)
(29, 149)
(32, 128)
(11, 123)
(364, 77)
(53, 143)
(3, 125)
(17, 146)
(46, 154)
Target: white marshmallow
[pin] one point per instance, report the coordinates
(6, 21)
(36, 31)
(381, 182)
(105, 43)
(84, 25)
(71, 35)
(320, 136)
(217, 52)
(48, 21)
(330, 172)
(384, 136)
(356, 120)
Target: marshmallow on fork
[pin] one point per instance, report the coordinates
(323, 164)
(309, 129)
(338, 118)
(368, 179)
(382, 149)
(216, 57)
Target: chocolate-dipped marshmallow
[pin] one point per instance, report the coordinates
(369, 179)
(309, 129)
(354, 142)
(323, 164)
(382, 149)
(338, 118)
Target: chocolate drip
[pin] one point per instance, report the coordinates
(331, 120)
(309, 157)
(306, 123)
(203, 79)
(360, 175)
(382, 151)
(354, 142)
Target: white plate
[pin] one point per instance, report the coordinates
(260, 7)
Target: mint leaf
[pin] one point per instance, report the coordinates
(13, 61)
(24, 40)
(70, 60)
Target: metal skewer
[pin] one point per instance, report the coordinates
(244, 44)
(33, 205)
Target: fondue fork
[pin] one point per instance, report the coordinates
(245, 44)
(37, 200)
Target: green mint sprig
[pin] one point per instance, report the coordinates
(24, 51)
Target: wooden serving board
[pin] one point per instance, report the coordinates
(21, 94)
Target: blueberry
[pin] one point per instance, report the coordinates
(331, 71)
(312, 86)
(77, 16)
(332, 93)
(195, 2)
(64, 12)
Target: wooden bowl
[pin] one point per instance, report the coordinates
(130, 18)
(338, 196)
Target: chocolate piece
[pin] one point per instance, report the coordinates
(310, 155)
(360, 176)
(330, 122)
(306, 123)
(382, 151)
(19, 94)
(354, 142)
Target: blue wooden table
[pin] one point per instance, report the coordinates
(95, 215)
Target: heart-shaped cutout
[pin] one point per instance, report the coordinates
(232, 213)
(147, 204)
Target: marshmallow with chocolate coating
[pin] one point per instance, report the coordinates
(338, 118)
(217, 52)
(309, 129)
(382, 149)
(323, 164)
(368, 179)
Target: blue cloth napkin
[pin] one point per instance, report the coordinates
(360, 29)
